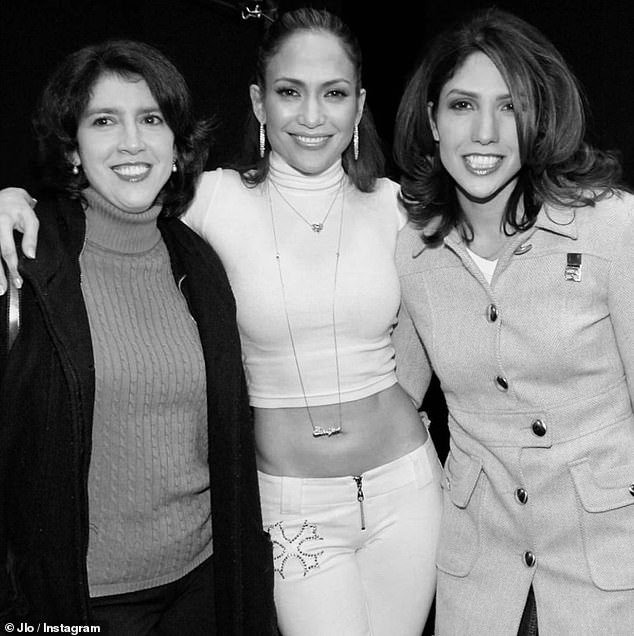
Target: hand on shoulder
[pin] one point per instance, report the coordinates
(16, 214)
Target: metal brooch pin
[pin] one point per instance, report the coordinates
(573, 267)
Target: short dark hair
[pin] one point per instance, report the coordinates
(364, 171)
(558, 166)
(66, 96)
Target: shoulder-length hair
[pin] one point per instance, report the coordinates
(558, 166)
(370, 165)
(67, 94)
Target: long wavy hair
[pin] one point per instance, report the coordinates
(558, 166)
(67, 94)
(364, 171)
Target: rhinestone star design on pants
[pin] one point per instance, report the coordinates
(290, 545)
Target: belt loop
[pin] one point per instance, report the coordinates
(291, 495)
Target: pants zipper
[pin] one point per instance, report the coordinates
(360, 498)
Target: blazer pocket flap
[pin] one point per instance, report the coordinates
(605, 490)
(462, 479)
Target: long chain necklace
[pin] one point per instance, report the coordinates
(318, 431)
(315, 227)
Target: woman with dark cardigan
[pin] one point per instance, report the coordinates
(129, 491)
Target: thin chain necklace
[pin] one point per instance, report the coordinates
(315, 227)
(318, 431)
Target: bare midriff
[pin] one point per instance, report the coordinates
(375, 430)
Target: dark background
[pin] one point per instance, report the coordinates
(214, 48)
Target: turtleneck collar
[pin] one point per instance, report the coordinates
(286, 177)
(111, 228)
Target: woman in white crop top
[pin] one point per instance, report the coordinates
(349, 478)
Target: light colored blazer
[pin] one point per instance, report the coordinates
(538, 372)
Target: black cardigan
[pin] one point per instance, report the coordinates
(46, 397)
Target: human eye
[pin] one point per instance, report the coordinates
(286, 91)
(337, 93)
(101, 121)
(508, 107)
(460, 105)
(153, 119)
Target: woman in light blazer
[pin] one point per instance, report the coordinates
(517, 275)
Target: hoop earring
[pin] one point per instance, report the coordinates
(262, 141)
(174, 166)
(355, 142)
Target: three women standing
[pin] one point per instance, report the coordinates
(516, 275)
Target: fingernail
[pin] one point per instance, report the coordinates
(29, 252)
(17, 282)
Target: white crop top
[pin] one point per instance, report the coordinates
(237, 222)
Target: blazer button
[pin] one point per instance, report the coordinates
(501, 383)
(539, 428)
(521, 495)
(529, 559)
(492, 313)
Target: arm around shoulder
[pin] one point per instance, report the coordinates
(16, 214)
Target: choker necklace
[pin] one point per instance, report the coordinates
(315, 227)
(318, 431)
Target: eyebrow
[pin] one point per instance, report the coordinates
(292, 80)
(109, 110)
(465, 93)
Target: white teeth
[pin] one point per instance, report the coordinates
(131, 170)
(482, 162)
(311, 141)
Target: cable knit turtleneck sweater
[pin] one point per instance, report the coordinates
(247, 226)
(150, 517)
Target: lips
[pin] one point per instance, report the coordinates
(482, 165)
(132, 171)
(311, 141)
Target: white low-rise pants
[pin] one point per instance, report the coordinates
(356, 555)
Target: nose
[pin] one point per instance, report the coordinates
(311, 113)
(131, 140)
(485, 127)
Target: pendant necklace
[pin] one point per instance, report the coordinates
(315, 227)
(318, 430)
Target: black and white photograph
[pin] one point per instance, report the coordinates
(317, 318)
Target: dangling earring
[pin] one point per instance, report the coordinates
(174, 166)
(262, 141)
(355, 142)
(75, 169)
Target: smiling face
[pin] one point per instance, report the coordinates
(125, 147)
(310, 103)
(474, 125)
